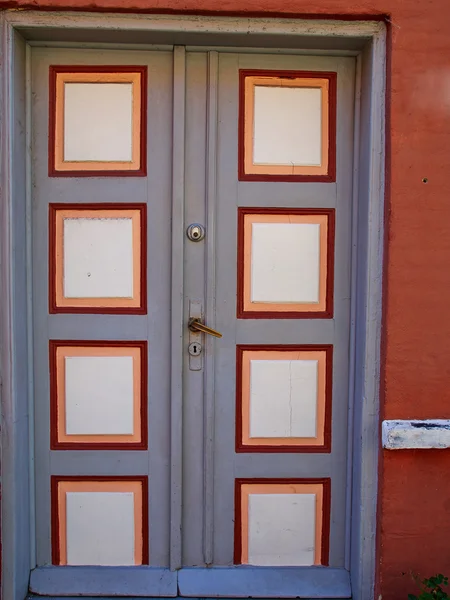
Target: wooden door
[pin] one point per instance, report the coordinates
(102, 176)
(265, 448)
(169, 462)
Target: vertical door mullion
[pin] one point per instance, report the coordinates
(210, 292)
(177, 299)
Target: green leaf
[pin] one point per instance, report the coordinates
(431, 588)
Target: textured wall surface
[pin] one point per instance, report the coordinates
(414, 518)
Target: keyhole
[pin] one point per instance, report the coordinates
(195, 349)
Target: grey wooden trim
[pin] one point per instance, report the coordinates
(33, 597)
(291, 330)
(281, 51)
(100, 46)
(29, 267)
(211, 167)
(92, 462)
(353, 307)
(13, 325)
(177, 320)
(96, 327)
(369, 319)
(93, 45)
(101, 581)
(265, 582)
(193, 23)
(260, 194)
(249, 464)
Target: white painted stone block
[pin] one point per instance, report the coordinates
(416, 434)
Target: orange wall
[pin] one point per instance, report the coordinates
(414, 520)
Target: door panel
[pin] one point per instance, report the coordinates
(231, 194)
(97, 365)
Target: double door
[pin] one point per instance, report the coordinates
(170, 461)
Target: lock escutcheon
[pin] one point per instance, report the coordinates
(195, 349)
(195, 232)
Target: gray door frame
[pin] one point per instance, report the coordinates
(363, 39)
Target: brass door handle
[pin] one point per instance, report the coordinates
(197, 326)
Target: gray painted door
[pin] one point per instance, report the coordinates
(220, 457)
(125, 457)
(246, 465)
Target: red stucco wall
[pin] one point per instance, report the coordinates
(414, 518)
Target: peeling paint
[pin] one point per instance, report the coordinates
(416, 435)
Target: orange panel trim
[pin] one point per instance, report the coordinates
(247, 357)
(62, 74)
(137, 304)
(249, 125)
(59, 439)
(246, 308)
(249, 220)
(319, 444)
(320, 487)
(327, 82)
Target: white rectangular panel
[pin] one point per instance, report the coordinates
(285, 264)
(281, 529)
(99, 395)
(100, 528)
(283, 398)
(287, 126)
(98, 121)
(98, 258)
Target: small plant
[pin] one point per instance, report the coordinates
(431, 589)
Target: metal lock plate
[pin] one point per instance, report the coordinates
(195, 348)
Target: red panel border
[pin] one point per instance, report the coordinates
(57, 445)
(332, 108)
(325, 448)
(328, 312)
(53, 71)
(108, 310)
(54, 481)
(326, 517)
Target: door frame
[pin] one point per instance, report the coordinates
(366, 41)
